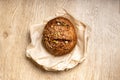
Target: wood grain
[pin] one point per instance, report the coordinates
(103, 57)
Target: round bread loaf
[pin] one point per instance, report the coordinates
(59, 36)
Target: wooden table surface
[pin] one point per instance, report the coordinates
(103, 57)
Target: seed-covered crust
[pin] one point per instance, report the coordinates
(59, 36)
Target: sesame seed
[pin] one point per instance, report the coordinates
(66, 42)
(58, 23)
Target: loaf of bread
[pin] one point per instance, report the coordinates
(59, 36)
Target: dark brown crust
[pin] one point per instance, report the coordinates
(59, 36)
